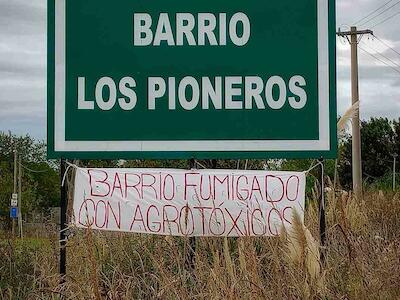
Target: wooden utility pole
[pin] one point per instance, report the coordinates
(394, 172)
(20, 198)
(15, 186)
(356, 135)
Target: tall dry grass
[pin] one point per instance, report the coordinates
(362, 261)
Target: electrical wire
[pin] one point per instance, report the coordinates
(370, 14)
(395, 51)
(377, 58)
(382, 12)
(385, 20)
(384, 56)
(33, 171)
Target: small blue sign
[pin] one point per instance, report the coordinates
(14, 212)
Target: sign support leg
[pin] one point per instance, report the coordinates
(63, 225)
(192, 240)
(322, 221)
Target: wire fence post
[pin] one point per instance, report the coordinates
(63, 222)
(322, 221)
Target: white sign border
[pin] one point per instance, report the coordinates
(323, 144)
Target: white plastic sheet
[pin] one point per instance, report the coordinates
(188, 202)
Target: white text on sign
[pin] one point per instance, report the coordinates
(228, 93)
(145, 34)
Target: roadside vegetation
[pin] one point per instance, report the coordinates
(360, 259)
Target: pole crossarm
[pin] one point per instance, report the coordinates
(358, 32)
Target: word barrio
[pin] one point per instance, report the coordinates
(188, 203)
(203, 79)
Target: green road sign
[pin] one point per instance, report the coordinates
(183, 79)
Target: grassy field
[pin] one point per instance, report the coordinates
(362, 261)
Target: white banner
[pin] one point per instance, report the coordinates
(188, 202)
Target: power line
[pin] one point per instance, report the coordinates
(382, 12)
(370, 14)
(385, 20)
(377, 58)
(384, 56)
(33, 171)
(395, 51)
(379, 14)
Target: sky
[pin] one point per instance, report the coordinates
(23, 62)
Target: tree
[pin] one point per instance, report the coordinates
(379, 140)
(40, 178)
(396, 129)
(28, 149)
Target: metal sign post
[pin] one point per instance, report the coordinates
(322, 221)
(191, 255)
(14, 209)
(63, 223)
